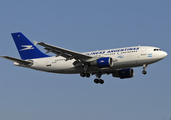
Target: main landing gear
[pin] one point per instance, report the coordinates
(144, 67)
(85, 74)
(98, 80)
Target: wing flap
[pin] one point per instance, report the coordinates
(64, 52)
(57, 52)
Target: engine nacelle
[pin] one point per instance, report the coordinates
(124, 73)
(103, 62)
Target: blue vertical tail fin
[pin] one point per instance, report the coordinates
(26, 49)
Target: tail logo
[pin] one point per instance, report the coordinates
(27, 47)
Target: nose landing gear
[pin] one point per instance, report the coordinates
(144, 67)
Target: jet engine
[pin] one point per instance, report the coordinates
(124, 73)
(103, 62)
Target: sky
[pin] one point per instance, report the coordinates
(83, 26)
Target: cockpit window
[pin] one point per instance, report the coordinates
(157, 50)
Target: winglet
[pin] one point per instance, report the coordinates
(35, 42)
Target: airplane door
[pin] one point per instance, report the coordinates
(141, 56)
(143, 51)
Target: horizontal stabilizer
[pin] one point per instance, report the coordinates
(17, 60)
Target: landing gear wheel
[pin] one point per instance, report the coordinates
(82, 74)
(144, 72)
(87, 75)
(96, 81)
(101, 81)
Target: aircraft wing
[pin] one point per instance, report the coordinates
(68, 54)
(17, 60)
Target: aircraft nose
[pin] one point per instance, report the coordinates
(164, 54)
(161, 54)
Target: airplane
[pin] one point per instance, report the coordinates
(118, 62)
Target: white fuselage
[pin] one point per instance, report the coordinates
(122, 58)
